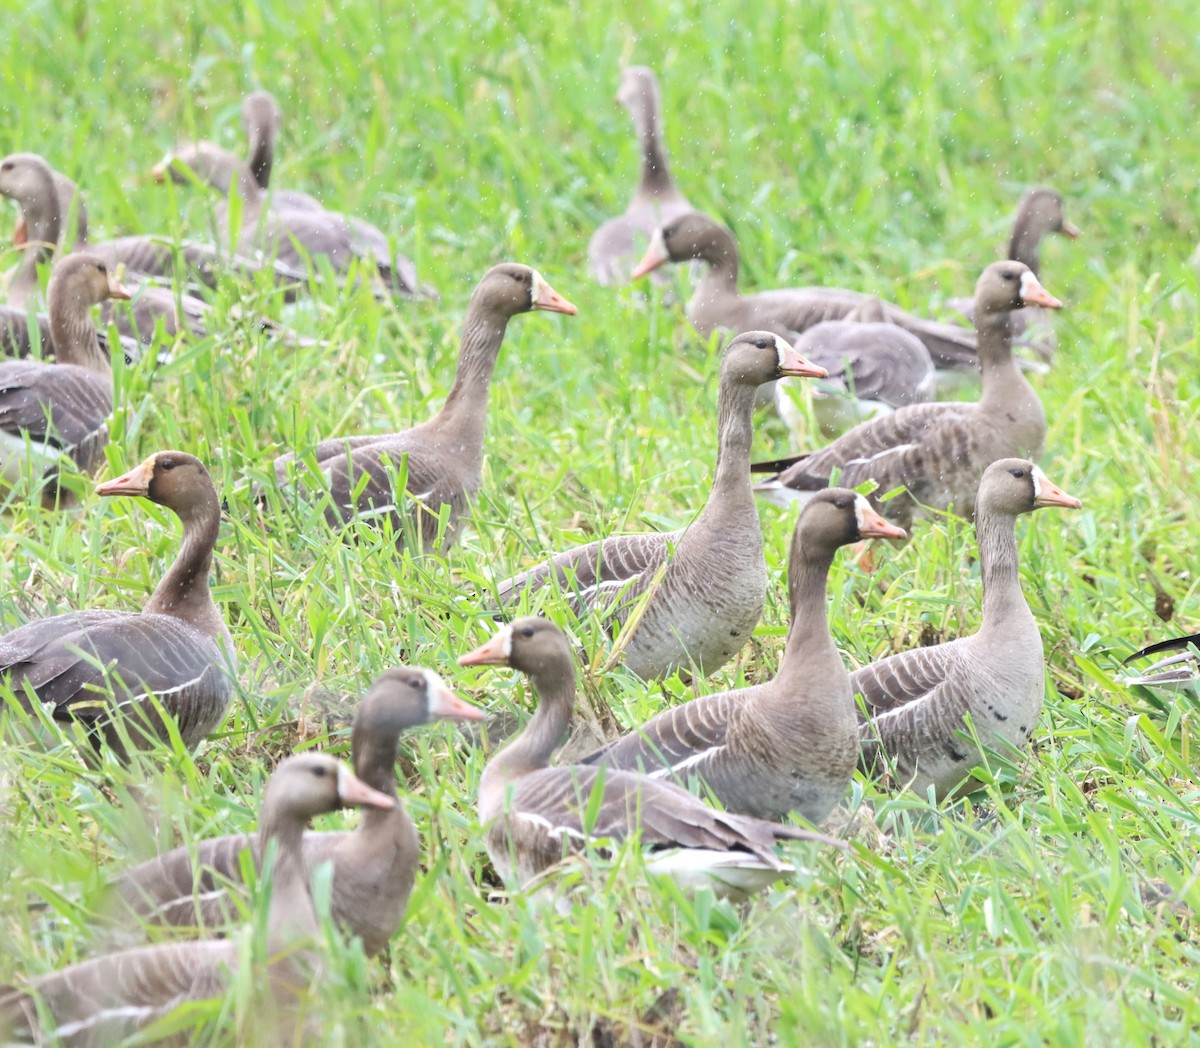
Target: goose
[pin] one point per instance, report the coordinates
(922, 709)
(105, 1000)
(1040, 213)
(791, 744)
(373, 866)
(705, 583)
(101, 667)
(619, 242)
(937, 452)
(874, 367)
(27, 179)
(717, 303)
(70, 204)
(1179, 670)
(444, 456)
(49, 411)
(532, 813)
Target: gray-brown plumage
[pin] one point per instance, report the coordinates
(51, 410)
(101, 667)
(102, 1002)
(533, 814)
(717, 303)
(709, 579)
(444, 456)
(620, 241)
(373, 865)
(789, 745)
(918, 702)
(27, 179)
(1039, 214)
(938, 451)
(72, 211)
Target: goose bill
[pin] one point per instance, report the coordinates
(546, 298)
(656, 255)
(872, 526)
(494, 653)
(444, 703)
(119, 291)
(796, 365)
(135, 482)
(1033, 294)
(1047, 494)
(353, 792)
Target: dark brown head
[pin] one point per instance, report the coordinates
(755, 357)
(1041, 212)
(1005, 286)
(532, 645)
(1014, 486)
(687, 237)
(511, 288)
(82, 280)
(837, 517)
(173, 479)
(309, 784)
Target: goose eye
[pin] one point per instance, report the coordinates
(102, 267)
(1018, 473)
(166, 463)
(763, 343)
(1009, 274)
(6, 166)
(841, 503)
(526, 631)
(319, 771)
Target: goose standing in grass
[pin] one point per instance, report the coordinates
(1039, 214)
(620, 241)
(533, 813)
(134, 677)
(373, 865)
(937, 452)
(108, 999)
(705, 583)
(49, 411)
(925, 708)
(442, 458)
(791, 744)
(717, 303)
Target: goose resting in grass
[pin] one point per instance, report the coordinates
(925, 708)
(533, 813)
(937, 452)
(373, 865)
(791, 744)
(104, 1001)
(49, 411)
(102, 668)
(620, 241)
(444, 456)
(705, 583)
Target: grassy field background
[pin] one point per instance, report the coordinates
(880, 147)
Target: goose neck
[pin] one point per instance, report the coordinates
(999, 566)
(183, 591)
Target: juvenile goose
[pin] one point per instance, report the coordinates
(52, 410)
(108, 999)
(619, 242)
(938, 451)
(531, 812)
(717, 303)
(444, 456)
(874, 367)
(1039, 214)
(373, 866)
(789, 745)
(101, 667)
(918, 703)
(708, 579)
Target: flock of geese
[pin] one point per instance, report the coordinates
(684, 601)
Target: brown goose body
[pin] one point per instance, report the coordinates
(100, 667)
(918, 702)
(791, 744)
(444, 456)
(619, 242)
(717, 303)
(48, 410)
(104, 1001)
(938, 451)
(373, 865)
(532, 812)
(709, 579)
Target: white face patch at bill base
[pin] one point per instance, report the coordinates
(861, 508)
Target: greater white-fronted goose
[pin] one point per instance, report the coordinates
(874, 367)
(1180, 669)
(717, 303)
(791, 744)
(103, 668)
(706, 582)
(373, 866)
(27, 179)
(52, 410)
(1039, 214)
(444, 456)
(924, 707)
(620, 241)
(938, 451)
(533, 814)
(70, 206)
(106, 1000)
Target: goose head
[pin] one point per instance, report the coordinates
(690, 236)
(838, 517)
(1006, 286)
(755, 357)
(511, 288)
(83, 279)
(173, 479)
(1014, 486)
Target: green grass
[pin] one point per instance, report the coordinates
(880, 147)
